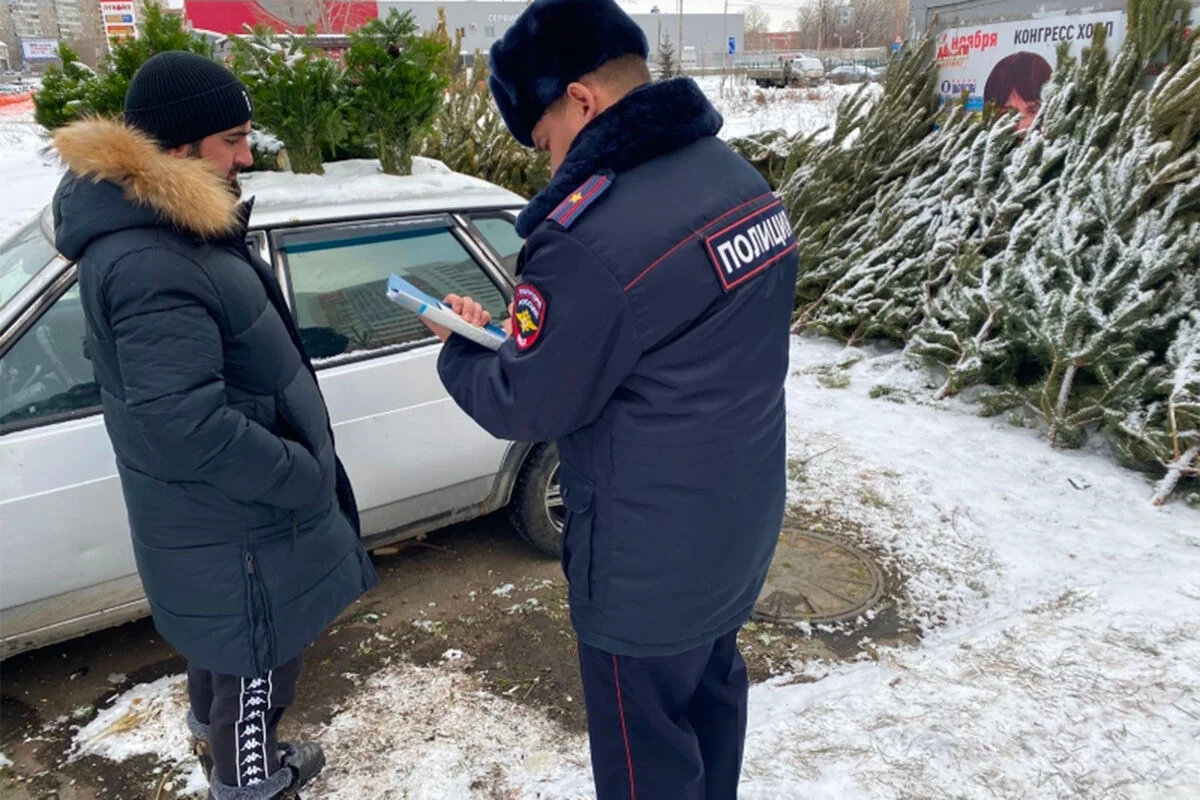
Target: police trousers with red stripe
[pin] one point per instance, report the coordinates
(242, 716)
(666, 726)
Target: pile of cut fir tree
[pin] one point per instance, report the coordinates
(1055, 271)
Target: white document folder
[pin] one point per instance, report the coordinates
(404, 294)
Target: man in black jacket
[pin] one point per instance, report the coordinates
(650, 341)
(244, 524)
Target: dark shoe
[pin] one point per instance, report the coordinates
(305, 760)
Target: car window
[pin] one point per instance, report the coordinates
(48, 372)
(22, 256)
(501, 234)
(339, 286)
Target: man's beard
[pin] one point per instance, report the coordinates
(231, 180)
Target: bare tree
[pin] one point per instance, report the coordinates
(872, 22)
(757, 25)
(847, 23)
(325, 16)
(808, 26)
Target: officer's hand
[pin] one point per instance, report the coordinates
(468, 309)
(465, 307)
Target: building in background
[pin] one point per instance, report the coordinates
(8, 35)
(81, 25)
(782, 42)
(707, 38)
(73, 22)
(4, 62)
(34, 19)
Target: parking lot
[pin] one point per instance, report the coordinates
(472, 591)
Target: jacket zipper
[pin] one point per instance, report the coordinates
(264, 610)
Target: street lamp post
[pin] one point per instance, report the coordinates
(725, 58)
(681, 35)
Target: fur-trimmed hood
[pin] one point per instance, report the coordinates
(650, 122)
(118, 178)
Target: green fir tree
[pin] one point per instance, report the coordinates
(395, 81)
(666, 65)
(297, 95)
(470, 137)
(62, 96)
(73, 91)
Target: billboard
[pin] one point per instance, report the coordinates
(1008, 62)
(120, 20)
(39, 49)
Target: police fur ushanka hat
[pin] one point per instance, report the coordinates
(552, 44)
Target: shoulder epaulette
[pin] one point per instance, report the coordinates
(577, 201)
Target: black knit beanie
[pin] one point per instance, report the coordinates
(178, 98)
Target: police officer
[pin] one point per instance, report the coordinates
(650, 341)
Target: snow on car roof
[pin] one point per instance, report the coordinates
(357, 188)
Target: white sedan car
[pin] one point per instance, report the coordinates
(416, 461)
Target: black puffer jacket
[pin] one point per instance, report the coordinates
(243, 522)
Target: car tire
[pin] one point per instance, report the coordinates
(536, 509)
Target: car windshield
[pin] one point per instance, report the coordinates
(22, 256)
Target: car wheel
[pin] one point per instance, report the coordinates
(536, 509)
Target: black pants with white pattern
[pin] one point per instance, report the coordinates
(243, 717)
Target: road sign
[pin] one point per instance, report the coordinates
(732, 45)
(896, 45)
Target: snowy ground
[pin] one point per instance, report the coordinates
(29, 175)
(747, 109)
(1061, 655)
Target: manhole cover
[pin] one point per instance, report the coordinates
(815, 578)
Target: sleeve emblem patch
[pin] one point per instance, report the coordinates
(529, 316)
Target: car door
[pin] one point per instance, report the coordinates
(415, 459)
(64, 538)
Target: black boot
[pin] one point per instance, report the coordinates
(305, 760)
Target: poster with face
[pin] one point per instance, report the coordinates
(1008, 63)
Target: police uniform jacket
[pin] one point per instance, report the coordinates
(651, 343)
